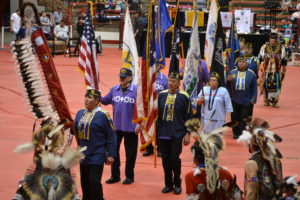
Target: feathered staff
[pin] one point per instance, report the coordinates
(45, 99)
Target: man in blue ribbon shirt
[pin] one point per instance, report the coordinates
(94, 130)
(122, 97)
(243, 92)
(174, 108)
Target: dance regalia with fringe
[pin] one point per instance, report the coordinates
(50, 176)
(272, 57)
(196, 186)
(266, 179)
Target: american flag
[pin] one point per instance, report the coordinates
(146, 102)
(88, 54)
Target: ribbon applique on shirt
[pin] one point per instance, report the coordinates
(169, 107)
(85, 123)
(241, 81)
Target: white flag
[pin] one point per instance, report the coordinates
(190, 78)
(211, 32)
(130, 57)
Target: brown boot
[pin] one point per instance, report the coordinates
(266, 103)
(275, 105)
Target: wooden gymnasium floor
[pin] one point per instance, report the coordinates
(16, 125)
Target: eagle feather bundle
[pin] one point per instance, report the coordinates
(27, 69)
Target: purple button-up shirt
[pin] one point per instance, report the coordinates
(123, 106)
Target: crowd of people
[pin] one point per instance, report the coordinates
(53, 25)
(219, 107)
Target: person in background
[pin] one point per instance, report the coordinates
(161, 84)
(81, 22)
(273, 55)
(57, 16)
(134, 5)
(139, 23)
(216, 105)
(242, 43)
(61, 31)
(243, 93)
(174, 109)
(253, 64)
(122, 97)
(94, 130)
(15, 23)
(45, 24)
(252, 61)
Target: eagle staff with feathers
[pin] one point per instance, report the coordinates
(50, 176)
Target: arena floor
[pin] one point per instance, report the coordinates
(17, 121)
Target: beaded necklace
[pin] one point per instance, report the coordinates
(211, 103)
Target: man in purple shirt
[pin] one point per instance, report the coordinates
(161, 84)
(122, 97)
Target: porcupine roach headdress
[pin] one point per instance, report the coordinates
(211, 144)
(42, 88)
(257, 132)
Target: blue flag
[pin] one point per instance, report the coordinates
(233, 48)
(162, 24)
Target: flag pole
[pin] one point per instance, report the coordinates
(154, 134)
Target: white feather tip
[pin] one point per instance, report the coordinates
(245, 138)
(24, 148)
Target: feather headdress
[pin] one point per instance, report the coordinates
(211, 144)
(257, 133)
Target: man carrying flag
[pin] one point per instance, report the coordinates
(162, 25)
(123, 98)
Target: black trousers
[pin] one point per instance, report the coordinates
(170, 151)
(239, 114)
(90, 176)
(131, 146)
